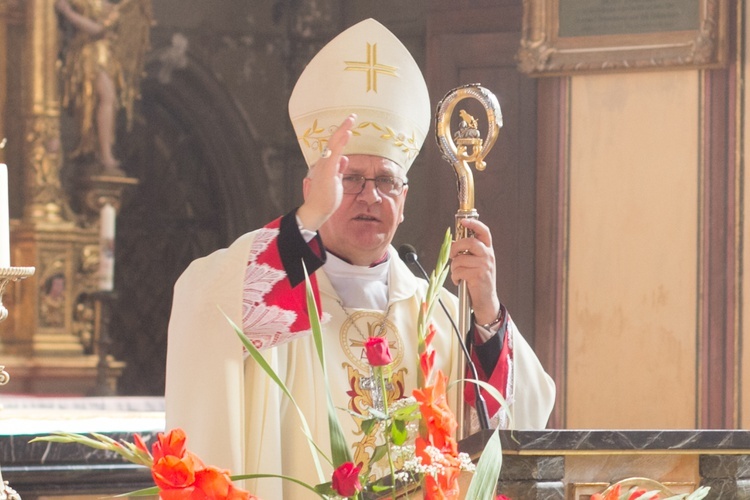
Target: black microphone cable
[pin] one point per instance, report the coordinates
(409, 255)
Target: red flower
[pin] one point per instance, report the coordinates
(439, 425)
(438, 419)
(444, 487)
(170, 444)
(501, 497)
(614, 494)
(426, 362)
(431, 331)
(180, 474)
(637, 494)
(174, 466)
(427, 358)
(140, 444)
(346, 479)
(378, 353)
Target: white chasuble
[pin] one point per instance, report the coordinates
(236, 418)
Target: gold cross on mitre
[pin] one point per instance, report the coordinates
(371, 67)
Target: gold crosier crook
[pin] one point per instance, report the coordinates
(460, 149)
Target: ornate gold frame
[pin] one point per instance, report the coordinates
(544, 52)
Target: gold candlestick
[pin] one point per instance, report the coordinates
(8, 274)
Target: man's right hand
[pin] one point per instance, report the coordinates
(322, 187)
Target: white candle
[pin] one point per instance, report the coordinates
(107, 248)
(4, 218)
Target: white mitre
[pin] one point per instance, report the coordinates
(365, 70)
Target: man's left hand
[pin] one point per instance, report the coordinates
(473, 261)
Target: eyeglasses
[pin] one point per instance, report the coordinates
(386, 185)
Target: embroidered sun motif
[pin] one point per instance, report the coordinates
(361, 325)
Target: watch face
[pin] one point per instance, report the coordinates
(361, 325)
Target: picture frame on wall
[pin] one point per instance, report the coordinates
(565, 37)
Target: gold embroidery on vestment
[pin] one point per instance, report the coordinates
(353, 343)
(359, 402)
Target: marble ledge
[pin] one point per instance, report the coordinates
(18, 451)
(568, 442)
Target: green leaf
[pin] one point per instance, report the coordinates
(379, 453)
(698, 494)
(435, 284)
(368, 425)
(339, 449)
(145, 492)
(100, 442)
(258, 357)
(407, 413)
(484, 483)
(399, 434)
(241, 477)
(325, 489)
(69, 437)
(375, 413)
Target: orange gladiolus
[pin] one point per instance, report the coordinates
(614, 494)
(440, 424)
(181, 475)
(431, 331)
(638, 493)
(426, 362)
(170, 444)
(443, 487)
(173, 472)
(437, 415)
(138, 440)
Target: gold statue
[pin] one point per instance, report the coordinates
(102, 70)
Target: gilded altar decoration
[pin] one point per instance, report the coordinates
(103, 66)
(47, 198)
(52, 296)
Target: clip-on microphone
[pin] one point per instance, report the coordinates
(409, 255)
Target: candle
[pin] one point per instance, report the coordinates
(107, 248)
(4, 218)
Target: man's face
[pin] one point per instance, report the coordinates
(363, 226)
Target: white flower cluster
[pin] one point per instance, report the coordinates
(406, 452)
(413, 465)
(466, 463)
(402, 403)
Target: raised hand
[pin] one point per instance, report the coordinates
(322, 187)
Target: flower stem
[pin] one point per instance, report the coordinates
(387, 435)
